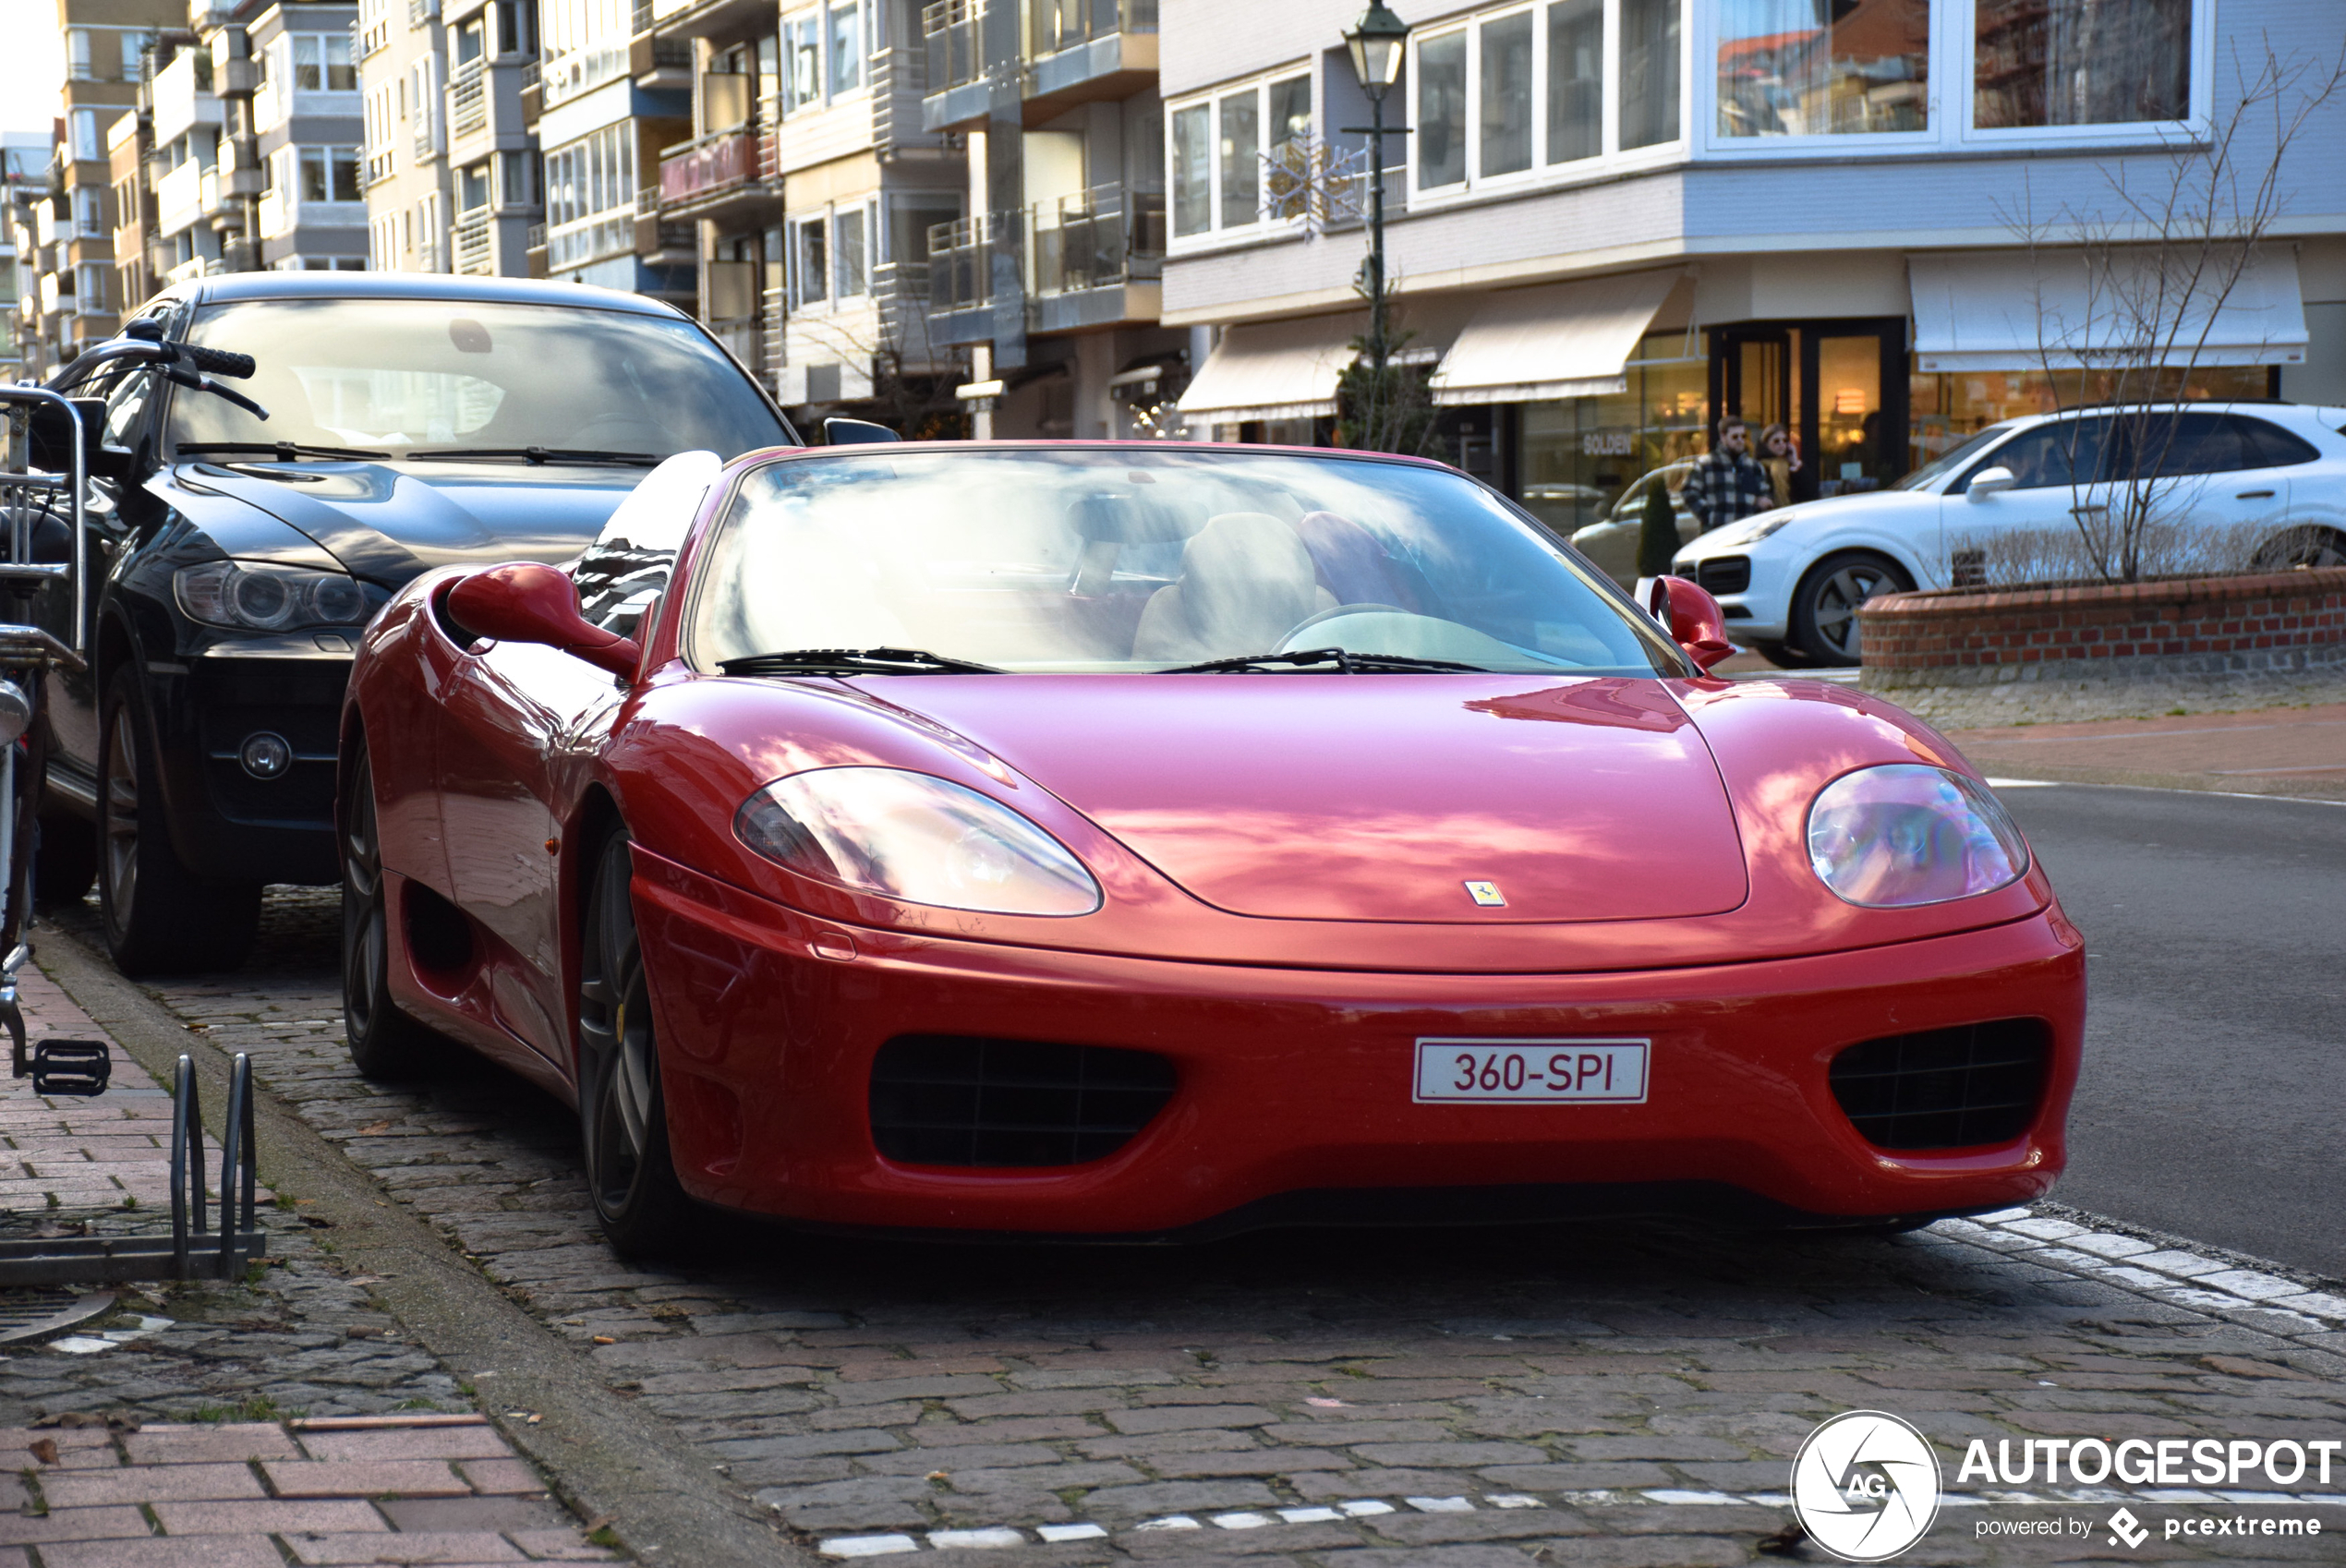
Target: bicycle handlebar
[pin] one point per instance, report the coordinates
(219, 361)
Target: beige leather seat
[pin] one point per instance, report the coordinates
(1246, 582)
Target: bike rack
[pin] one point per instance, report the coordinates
(193, 1250)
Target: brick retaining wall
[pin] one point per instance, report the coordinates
(2282, 619)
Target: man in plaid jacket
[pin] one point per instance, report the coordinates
(1728, 483)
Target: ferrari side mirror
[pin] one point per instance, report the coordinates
(526, 602)
(1696, 622)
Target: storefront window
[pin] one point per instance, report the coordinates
(1580, 456)
(1794, 67)
(2080, 61)
(1648, 72)
(1576, 80)
(1947, 408)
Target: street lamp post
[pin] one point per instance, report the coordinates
(1376, 45)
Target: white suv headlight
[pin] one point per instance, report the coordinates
(1903, 834)
(912, 837)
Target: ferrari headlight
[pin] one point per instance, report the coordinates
(915, 838)
(1902, 835)
(259, 596)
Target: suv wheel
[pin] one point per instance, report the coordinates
(159, 917)
(1824, 607)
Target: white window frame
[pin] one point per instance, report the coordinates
(867, 23)
(1217, 231)
(1948, 19)
(2192, 130)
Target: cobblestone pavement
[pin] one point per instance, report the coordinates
(1608, 1395)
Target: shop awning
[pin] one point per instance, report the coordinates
(1559, 339)
(2066, 310)
(1274, 370)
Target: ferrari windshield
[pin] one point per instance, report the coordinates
(1091, 558)
(405, 377)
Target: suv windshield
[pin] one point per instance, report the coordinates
(407, 375)
(1093, 560)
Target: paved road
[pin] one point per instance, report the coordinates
(2216, 1060)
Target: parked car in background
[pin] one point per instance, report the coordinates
(1612, 541)
(413, 422)
(1790, 580)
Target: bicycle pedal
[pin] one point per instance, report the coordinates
(71, 1066)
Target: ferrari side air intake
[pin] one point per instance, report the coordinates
(1976, 1084)
(952, 1100)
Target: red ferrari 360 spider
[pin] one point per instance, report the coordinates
(1146, 840)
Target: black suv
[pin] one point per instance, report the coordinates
(413, 421)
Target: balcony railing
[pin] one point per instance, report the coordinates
(565, 75)
(475, 248)
(960, 261)
(1098, 238)
(1054, 25)
(953, 37)
(468, 100)
(589, 239)
(421, 11)
(716, 163)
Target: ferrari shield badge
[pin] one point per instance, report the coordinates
(1487, 894)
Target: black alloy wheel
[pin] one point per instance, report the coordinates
(623, 1115)
(159, 917)
(1824, 607)
(384, 1043)
(2307, 545)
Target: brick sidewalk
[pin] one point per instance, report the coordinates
(404, 1490)
(2222, 751)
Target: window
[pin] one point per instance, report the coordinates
(329, 173)
(1784, 71)
(90, 287)
(851, 259)
(1289, 123)
(810, 268)
(2039, 63)
(1192, 172)
(1505, 123)
(1241, 158)
(1442, 109)
(87, 147)
(847, 46)
(78, 53)
(802, 43)
(2060, 453)
(468, 42)
(590, 196)
(1649, 73)
(1575, 81)
(472, 188)
(89, 210)
(321, 63)
(134, 48)
(516, 176)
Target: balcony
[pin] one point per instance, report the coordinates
(1089, 261)
(953, 40)
(468, 100)
(237, 79)
(475, 249)
(663, 242)
(179, 198)
(711, 19)
(567, 76)
(661, 64)
(183, 97)
(719, 172)
(1087, 50)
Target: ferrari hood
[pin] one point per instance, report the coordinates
(389, 524)
(1379, 797)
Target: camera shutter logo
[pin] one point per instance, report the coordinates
(1866, 1486)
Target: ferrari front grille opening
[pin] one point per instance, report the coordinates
(954, 1099)
(1978, 1083)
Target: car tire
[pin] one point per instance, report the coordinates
(2307, 545)
(1783, 654)
(385, 1044)
(623, 1115)
(160, 918)
(66, 863)
(1824, 607)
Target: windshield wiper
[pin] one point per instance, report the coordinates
(537, 456)
(282, 452)
(853, 661)
(1345, 660)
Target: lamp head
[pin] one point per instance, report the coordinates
(1376, 42)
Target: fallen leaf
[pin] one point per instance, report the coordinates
(936, 1475)
(1328, 1404)
(373, 1132)
(605, 1339)
(43, 1448)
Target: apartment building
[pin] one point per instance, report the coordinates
(24, 180)
(403, 165)
(1051, 280)
(1612, 220)
(608, 93)
(76, 290)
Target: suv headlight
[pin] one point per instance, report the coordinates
(911, 836)
(259, 596)
(1905, 834)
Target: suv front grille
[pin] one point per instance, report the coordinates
(953, 1100)
(1957, 1087)
(1724, 575)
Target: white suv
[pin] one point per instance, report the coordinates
(1790, 580)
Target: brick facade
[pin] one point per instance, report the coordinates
(1959, 630)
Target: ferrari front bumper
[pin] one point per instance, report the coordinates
(1295, 1087)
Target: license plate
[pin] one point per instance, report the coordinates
(1532, 1071)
